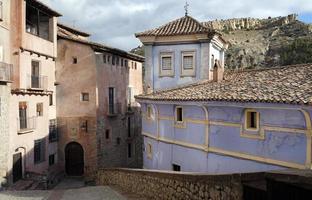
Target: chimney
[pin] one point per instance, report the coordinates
(218, 71)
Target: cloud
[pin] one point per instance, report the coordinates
(114, 22)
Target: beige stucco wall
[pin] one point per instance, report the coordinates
(21, 61)
(4, 92)
(73, 79)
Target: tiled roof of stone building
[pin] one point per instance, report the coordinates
(287, 84)
(183, 26)
(75, 36)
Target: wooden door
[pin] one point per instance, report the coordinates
(17, 167)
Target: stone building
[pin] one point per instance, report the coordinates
(32, 149)
(5, 82)
(98, 118)
(198, 118)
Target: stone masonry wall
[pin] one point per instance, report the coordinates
(174, 185)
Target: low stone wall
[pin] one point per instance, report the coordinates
(175, 185)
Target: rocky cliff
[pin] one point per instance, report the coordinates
(256, 43)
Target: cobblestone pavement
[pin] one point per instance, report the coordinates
(67, 190)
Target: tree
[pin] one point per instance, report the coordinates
(298, 52)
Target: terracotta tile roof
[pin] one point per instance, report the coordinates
(67, 34)
(183, 26)
(287, 84)
(63, 27)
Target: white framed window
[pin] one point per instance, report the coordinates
(149, 112)
(166, 64)
(149, 150)
(252, 120)
(188, 63)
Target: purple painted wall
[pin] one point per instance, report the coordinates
(277, 145)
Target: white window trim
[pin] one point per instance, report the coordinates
(166, 73)
(188, 72)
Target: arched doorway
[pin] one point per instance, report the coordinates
(74, 159)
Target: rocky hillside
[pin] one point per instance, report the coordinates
(258, 43)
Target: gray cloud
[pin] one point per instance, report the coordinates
(114, 22)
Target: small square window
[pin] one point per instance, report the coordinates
(107, 134)
(84, 96)
(51, 99)
(179, 114)
(51, 159)
(252, 120)
(84, 126)
(75, 60)
(166, 64)
(149, 151)
(176, 168)
(40, 109)
(188, 63)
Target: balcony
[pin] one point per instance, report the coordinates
(114, 109)
(6, 72)
(37, 82)
(26, 125)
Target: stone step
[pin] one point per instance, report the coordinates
(21, 185)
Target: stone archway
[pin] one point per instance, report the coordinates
(74, 159)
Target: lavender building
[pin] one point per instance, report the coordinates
(198, 118)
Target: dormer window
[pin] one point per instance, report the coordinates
(166, 64)
(188, 63)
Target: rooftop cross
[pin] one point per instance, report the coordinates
(186, 8)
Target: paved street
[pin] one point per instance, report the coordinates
(69, 189)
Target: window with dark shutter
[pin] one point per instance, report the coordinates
(39, 151)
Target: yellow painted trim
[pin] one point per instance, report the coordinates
(309, 138)
(228, 153)
(256, 158)
(259, 136)
(196, 121)
(258, 120)
(166, 118)
(217, 123)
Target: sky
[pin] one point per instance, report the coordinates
(114, 22)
